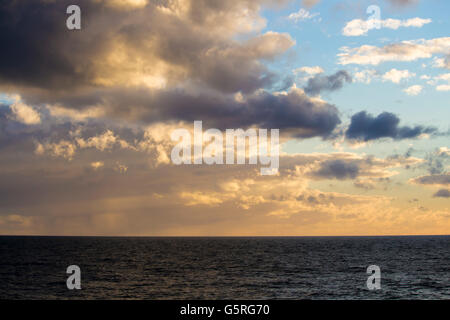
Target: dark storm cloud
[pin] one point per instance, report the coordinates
(293, 111)
(434, 179)
(365, 127)
(38, 51)
(344, 166)
(334, 82)
(443, 193)
(338, 169)
(195, 52)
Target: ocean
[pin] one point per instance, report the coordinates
(412, 267)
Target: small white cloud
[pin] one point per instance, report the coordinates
(403, 51)
(443, 87)
(97, 165)
(24, 113)
(64, 149)
(302, 15)
(358, 27)
(443, 77)
(441, 62)
(103, 142)
(309, 70)
(438, 63)
(40, 149)
(77, 115)
(413, 90)
(162, 157)
(365, 76)
(396, 76)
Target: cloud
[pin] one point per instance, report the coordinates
(437, 160)
(403, 51)
(63, 148)
(365, 127)
(441, 77)
(302, 15)
(442, 193)
(159, 45)
(103, 141)
(413, 90)
(24, 113)
(310, 3)
(333, 82)
(97, 165)
(166, 61)
(66, 141)
(444, 77)
(130, 197)
(396, 76)
(443, 87)
(364, 184)
(292, 111)
(434, 179)
(344, 166)
(125, 4)
(60, 112)
(338, 169)
(200, 198)
(15, 222)
(360, 27)
(309, 70)
(442, 62)
(108, 96)
(155, 201)
(447, 61)
(365, 76)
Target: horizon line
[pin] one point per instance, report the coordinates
(315, 236)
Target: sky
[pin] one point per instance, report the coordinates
(359, 91)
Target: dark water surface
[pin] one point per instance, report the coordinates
(225, 268)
